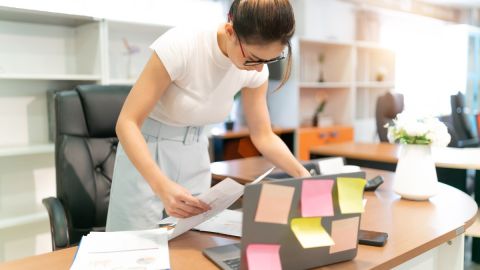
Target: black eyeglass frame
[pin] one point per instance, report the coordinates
(260, 62)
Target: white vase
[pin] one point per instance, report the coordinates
(415, 176)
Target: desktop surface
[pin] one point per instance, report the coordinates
(437, 221)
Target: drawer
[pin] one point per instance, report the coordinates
(310, 137)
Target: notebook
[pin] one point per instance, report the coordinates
(297, 224)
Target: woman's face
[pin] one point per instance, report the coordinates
(240, 52)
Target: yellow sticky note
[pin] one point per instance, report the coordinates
(274, 204)
(350, 194)
(310, 232)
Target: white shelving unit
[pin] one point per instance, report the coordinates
(42, 51)
(47, 148)
(334, 63)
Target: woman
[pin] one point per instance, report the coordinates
(190, 81)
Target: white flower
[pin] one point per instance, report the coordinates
(410, 129)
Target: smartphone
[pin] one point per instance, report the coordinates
(372, 238)
(374, 183)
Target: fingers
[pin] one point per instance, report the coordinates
(195, 202)
(178, 213)
(189, 209)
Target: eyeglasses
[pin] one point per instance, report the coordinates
(259, 62)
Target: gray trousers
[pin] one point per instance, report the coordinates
(180, 152)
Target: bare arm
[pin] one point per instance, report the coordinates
(148, 89)
(267, 142)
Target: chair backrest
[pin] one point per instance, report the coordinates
(460, 117)
(387, 108)
(85, 150)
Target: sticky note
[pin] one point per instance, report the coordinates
(316, 199)
(310, 232)
(344, 234)
(350, 194)
(274, 204)
(263, 256)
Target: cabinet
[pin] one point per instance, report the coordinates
(41, 52)
(236, 143)
(310, 137)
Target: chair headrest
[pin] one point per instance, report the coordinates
(391, 104)
(90, 110)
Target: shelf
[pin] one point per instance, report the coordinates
(371, 45)
(325, 85)
(50, 77)
(122, 81)
(43, 17)
(379, 85)
(8, 222)
(27, 150)
(313, 41)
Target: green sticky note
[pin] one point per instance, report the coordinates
(350, 194)
(310, 232)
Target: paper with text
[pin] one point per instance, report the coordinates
(146, 249)
(219, 197)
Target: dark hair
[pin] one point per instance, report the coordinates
(263, 22)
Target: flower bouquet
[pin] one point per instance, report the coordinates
(415, 175)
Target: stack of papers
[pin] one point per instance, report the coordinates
(146, 249)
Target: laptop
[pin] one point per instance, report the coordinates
(263, 231)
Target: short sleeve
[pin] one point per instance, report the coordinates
(255, 79)
(173, 48)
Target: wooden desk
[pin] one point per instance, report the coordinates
(451, 164)
(417, 230)
(445, 157)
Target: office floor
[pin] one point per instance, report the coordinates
(469, 265)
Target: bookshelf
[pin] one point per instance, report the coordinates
(62, 51)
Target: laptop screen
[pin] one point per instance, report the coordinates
(302, 223)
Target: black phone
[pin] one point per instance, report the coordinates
(374, 183)
(372, 238)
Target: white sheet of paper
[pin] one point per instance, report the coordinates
(219, 197)
(331, 165)
(146, 249)
(227, 222)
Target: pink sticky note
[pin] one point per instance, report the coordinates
(344, 234)
(274, 204)
(263, 257)
(317, 198)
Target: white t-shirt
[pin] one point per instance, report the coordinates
(204, 81)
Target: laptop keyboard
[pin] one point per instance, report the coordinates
(233, 263)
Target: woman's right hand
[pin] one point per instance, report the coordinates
(178, 201)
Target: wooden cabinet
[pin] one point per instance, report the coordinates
(310, 137)
(235, 144)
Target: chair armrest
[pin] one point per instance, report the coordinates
(58, 223)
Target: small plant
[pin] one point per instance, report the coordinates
(407, 129)
(322, 102)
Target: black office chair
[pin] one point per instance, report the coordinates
(464, 136)
(387, 108)
(85, 149)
